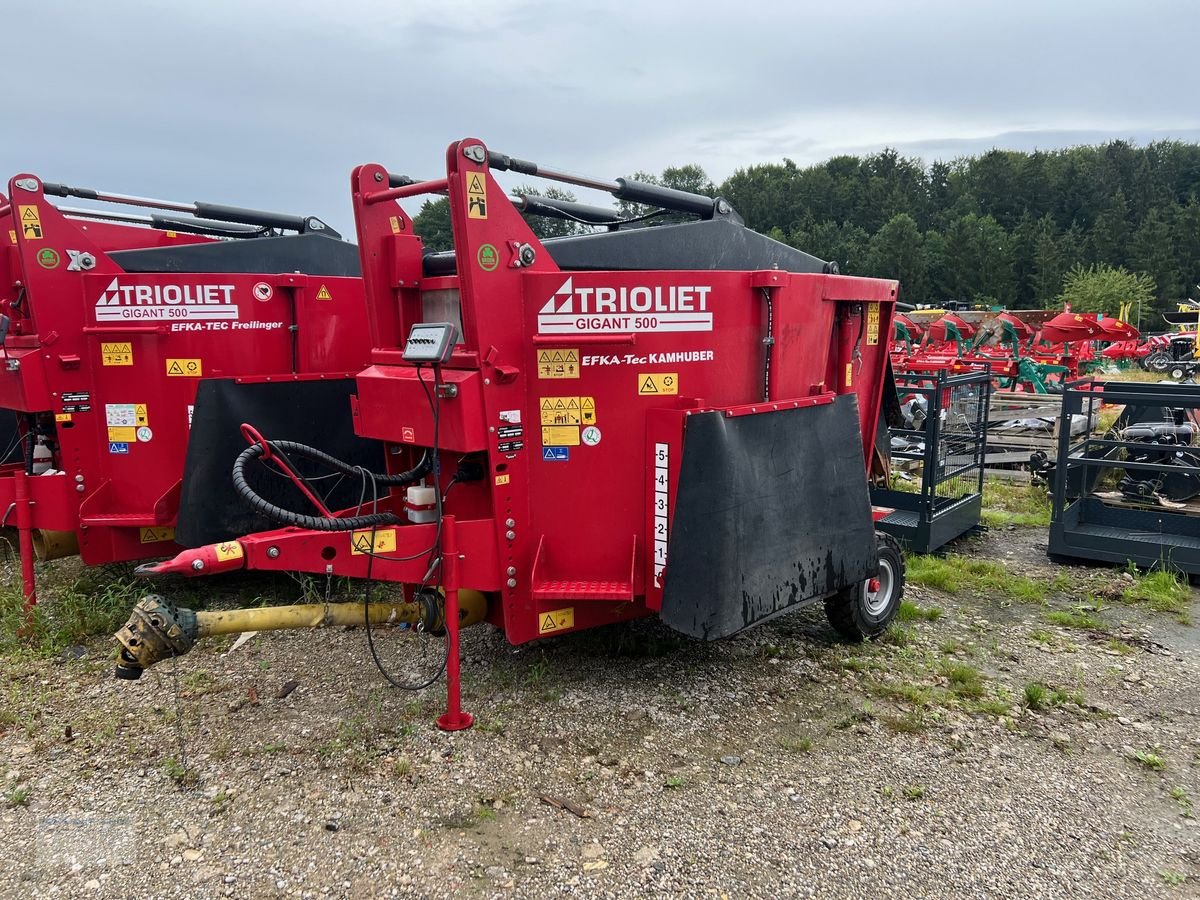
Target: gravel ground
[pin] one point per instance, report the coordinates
(627, 762)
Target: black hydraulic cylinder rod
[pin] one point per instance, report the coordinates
(542, 206)
(622, 188)
(550, 208)
(205, 226)
(253, 217)
(665, 197)
(168, 223)
(260, 218)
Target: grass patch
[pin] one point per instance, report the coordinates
(1118, 646)
(1039, 696)
(1079, 619)
(16, 797)
(1150, 759)
(1011, 503)
(965, 681)
(954, 574)
(796, 744)
(1161, 590)
(98, 601)
(674, 781)
(910, 723)
(910, 612)
(914, 792)
(1172, 879)
(1180, 796)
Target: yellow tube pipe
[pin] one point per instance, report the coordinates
(472, 608)
(54, 544)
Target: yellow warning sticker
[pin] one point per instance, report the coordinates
(385, 541)
(502, 479)
(394, 221)
(154, 535)
(62, 417)
(172, 234)
(189, 368)
(560, 436)
(556, 620)
(31, 223)
(849, 374)
(141, 414)
(568, 410)
(658, 383)
(558, 364)
(228, 550)
(122, 434)
(476, 196)
(872, 324)
(118, 353)
(560, 410)
(12, 235)
(323, 293)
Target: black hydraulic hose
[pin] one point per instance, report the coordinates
(319, 523)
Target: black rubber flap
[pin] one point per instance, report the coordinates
(311, 412)
(771, 510)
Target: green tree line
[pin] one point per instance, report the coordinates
(1005, 227)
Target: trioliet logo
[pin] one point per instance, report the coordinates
(125, 302)
(618, 310)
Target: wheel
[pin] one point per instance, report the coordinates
(1157, 362)
(1178, 373)
(865, 610)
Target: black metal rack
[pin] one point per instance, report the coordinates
(950, 442)
(1134, 521)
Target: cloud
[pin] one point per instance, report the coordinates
(272, 103)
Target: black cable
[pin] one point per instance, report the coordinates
(317, 523)
(435, 550)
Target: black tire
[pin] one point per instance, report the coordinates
(858, 614)
(1178, 372)
(1157, 361)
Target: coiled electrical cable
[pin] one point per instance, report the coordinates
(318, 523)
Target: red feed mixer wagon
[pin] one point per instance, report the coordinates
(135, 344)
(674, 421)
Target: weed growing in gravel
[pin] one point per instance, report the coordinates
(179, 773)
(219, 801)
(956, 647)
(1150, 758)
(674, 781)
(1174, 879)
(1180, 796)
(965, 681)
(96, 602)
(1161, 590)
(912, 722)
(954, 573)
(1079, 619)
(898, 636)
(1118, 646)
(913, 792)
(1038, 696)
(17, 797)
(1042, 636)
(796, 744)
(1010, 503)
(910, 612)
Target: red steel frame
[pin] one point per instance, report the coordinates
(563, 533)
(123, 505)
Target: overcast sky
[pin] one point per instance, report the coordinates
(269, 103)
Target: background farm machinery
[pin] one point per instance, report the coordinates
(135, 343)
(1029, 350)
(644, 421)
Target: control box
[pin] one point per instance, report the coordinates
(430, 342)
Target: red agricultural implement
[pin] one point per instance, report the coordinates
(1030, 351)
(673, 421)
(134, 345)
